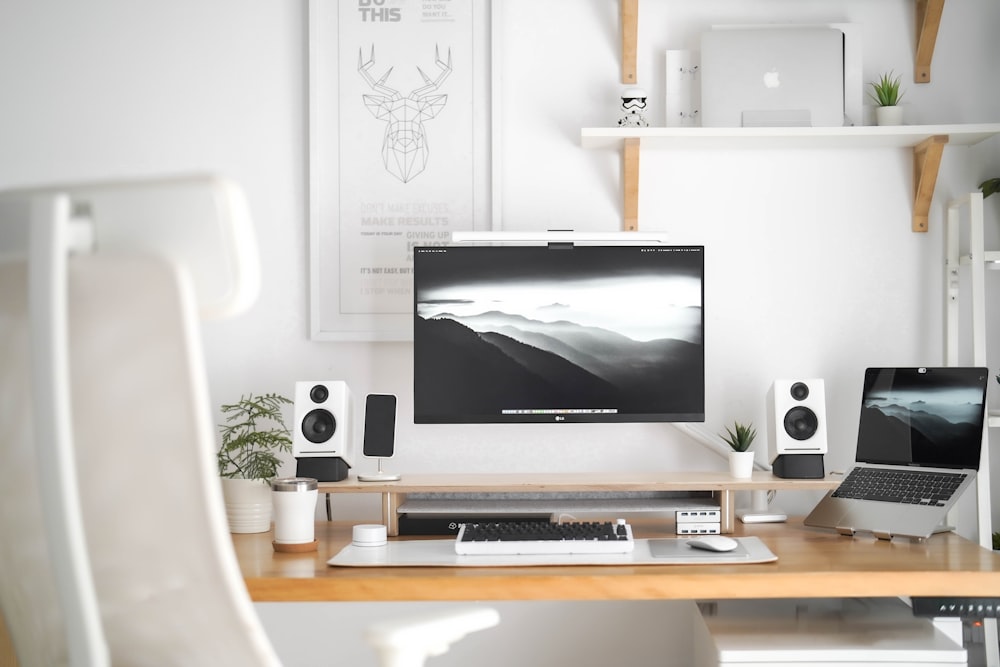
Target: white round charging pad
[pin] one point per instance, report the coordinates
(369, 535)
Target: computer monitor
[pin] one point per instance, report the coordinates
(558, 333)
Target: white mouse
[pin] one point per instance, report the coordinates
(713, 543)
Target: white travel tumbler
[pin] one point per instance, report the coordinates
(294, 501)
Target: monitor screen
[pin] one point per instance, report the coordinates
(558, 333)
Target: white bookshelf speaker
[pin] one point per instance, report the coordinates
(796, 430)
(322, 429)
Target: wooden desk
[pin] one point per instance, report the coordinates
(811, 563)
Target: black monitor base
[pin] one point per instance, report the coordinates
(322, 469)
(798, 466)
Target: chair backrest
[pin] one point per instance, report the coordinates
(28, 594)
(159, 557)
(157, 563)
(164, 571)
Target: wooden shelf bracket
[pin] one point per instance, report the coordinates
(926, 162)
(928, 21)
(630, 38)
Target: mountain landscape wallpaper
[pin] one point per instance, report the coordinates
(932, 418)
(535, 334)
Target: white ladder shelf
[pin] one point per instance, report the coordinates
(977, 259)
(970, 208)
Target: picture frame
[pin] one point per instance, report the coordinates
(379, 71)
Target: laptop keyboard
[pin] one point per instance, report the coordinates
(912, 487)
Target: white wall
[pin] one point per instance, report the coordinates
(812, 269)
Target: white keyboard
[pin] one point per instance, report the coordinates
(543, 537)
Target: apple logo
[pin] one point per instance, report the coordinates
(771, 79)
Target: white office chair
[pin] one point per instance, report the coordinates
(115, 547)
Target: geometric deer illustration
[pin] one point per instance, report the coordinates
(404, 147)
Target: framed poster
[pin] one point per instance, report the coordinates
(399, 146)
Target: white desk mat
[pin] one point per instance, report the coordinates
(441, 553)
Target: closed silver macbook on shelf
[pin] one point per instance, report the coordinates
(772, 77)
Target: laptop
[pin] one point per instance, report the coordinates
(772, 77)
(921, 424)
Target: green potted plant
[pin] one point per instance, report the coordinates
(739, 438)
(253, 436)
(886, 94)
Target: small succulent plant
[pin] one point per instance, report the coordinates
(740, 437)
(886, 92)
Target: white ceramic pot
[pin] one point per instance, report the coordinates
(248, 504)
(741, 464)
(889, 115)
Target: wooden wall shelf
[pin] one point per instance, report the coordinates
(721, 484)
(925, 141)
(928, 18)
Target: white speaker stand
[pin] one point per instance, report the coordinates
(380, 476)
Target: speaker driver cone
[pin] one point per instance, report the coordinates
(319, 426)
(799, 391)
(801, 423)
(319, 394)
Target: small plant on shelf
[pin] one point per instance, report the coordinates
(886, 91)
(252, 437)
(740, 437)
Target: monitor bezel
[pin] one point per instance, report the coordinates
(424, 417)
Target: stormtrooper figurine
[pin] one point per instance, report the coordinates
(633, 108)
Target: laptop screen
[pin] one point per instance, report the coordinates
(923, 416)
